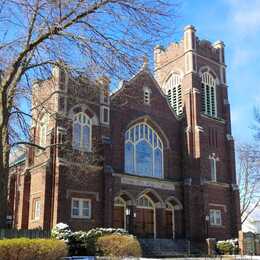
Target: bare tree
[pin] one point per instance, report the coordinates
(256, 125)
(94, 37)
(248, 179)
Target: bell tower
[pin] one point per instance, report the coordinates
(201, 89)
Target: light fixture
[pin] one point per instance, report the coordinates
(127, 211)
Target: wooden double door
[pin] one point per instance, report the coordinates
(119, 217)
(169, 224)
(144, 223)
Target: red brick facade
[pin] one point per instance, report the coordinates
(182, 200)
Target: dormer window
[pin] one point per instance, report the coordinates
(147, 96)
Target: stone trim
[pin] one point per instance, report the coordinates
(218, 184)
(69, 191)
(219, 205)
(146, 182)
(220, 120)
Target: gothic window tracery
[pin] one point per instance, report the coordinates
(82, 132)
(143, 151)
(145, 202)
(43, 131)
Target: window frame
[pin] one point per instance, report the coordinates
(104, 95)
(215, 214)
(81, 201)
(213, 169)
(43, 130)
(208, 86)
(102, 109)
(35, 209)
(173, 89)
(82, 125)
(150, 203)
(143, 135)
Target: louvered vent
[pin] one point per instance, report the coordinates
(208, 95)
(173, 90)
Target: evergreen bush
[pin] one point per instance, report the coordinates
(228, 247)
(118, 245)
(82, 243)
(32, 249)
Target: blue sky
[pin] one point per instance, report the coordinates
(237, 23)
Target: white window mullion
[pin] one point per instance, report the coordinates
(209, 98)
(210, 101)
(205, 96)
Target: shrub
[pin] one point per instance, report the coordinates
(119, 246)
(80, 242)
(228, 247)
(95, 233)
(32, 249)
(61, 231)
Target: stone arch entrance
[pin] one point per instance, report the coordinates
(145, 219)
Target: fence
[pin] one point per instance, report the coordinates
(33, 233)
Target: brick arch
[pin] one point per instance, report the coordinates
(177, 205)
(148, 120)
(168, 75)
(86, 109)
(126, 196)
(153, 195)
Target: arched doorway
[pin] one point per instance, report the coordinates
(119, 213)
(145, 222)
(169, 221)
(172, 204)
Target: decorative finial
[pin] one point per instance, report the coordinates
(145, 64)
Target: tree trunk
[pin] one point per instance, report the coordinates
(4, 158)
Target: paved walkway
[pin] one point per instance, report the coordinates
(177, 258)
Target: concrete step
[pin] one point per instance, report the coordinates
(164, 247)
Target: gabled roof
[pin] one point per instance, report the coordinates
(144, 70)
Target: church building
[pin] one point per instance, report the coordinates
(155, 157)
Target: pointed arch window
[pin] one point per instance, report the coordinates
(43, 131)
(213, 167)
(208, 94)
(143, 151)
(82, 132)
(174, 93)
